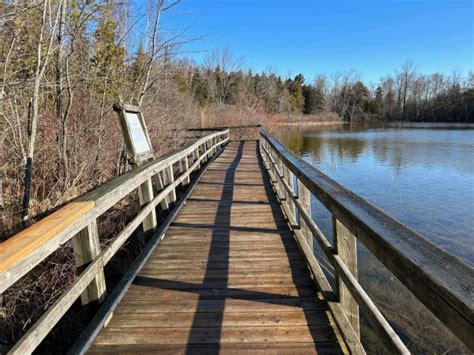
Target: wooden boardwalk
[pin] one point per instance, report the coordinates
(230, 275)
(227, 277)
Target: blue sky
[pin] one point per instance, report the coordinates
(373, 37)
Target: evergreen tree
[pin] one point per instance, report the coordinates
(379, 99)
(295, 88)
(313, 100)
(109, 56)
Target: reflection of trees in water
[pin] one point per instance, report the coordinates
(317, 145)
(293, 139)
(348, 147)
(300, 143)
(397, 147)
(421, 151)
(381, 150)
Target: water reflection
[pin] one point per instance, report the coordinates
(421, 175)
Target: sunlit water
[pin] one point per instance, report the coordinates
(422, 175)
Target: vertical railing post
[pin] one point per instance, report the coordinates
(208, 145)
(184, 166)
(145, 194)
(272, 167)
(279, 165)
(345, 245)
(288, 176)
(196, 157)
(86, 248)
(279, 171)
(304, 197)
(161, 181)
(202, 149)
(170, 176)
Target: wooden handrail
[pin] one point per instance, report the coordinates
(438, 279)
(25, 250)
(211, 129)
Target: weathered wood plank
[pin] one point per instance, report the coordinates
(259, 348)
(269, 305)
(218, 335)
(215, 319)
(228, 272)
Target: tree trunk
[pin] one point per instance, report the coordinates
(41, 62)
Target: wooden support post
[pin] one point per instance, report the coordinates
(184, 166)
(304, 196)
(345, 245)
(280, 182)
(160, 179)
(271, 156)
(202, 149)
(86, 248)
(208, 145)
(196, 157)
(170, 174)
(288, 175)
(145, 193)
(278, 169)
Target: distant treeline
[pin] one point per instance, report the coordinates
(65, 63)
(406, 95)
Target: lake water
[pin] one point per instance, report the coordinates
(422, 175)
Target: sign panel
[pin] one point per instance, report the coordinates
(137, 134)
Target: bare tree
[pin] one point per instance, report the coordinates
(219, 64)
(44, 52)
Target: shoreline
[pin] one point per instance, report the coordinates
(406, 124)
(322, 123)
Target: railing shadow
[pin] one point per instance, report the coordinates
(217, 289)
(296, 272)
(220, 245)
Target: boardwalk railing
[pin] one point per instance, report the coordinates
(441, 281)
(249, 132)
(77, 221)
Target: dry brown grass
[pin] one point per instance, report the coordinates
(303, 120)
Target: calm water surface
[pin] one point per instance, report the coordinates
(423, 175)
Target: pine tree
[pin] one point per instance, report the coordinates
(109, 56)
(379, 100)
(295, 88)
(313, 100)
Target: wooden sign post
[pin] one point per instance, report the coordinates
(140, 151)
